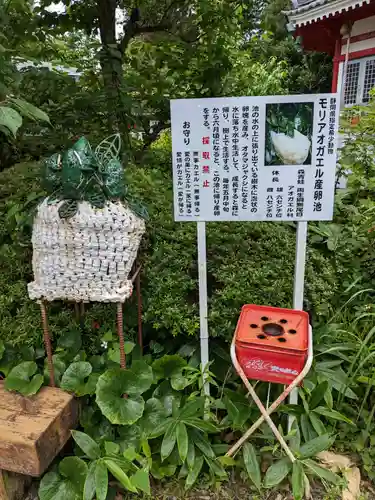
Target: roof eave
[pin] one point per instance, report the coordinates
(321, 9)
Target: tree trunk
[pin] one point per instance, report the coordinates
(111, 61)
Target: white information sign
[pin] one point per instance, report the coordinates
(254, 158)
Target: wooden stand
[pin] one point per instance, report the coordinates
(33, 430)
(13, 486)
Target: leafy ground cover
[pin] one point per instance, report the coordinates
(164, 435)
(165, 438)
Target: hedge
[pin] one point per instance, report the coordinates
(247, 263)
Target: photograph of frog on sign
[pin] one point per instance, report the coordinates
(289, 128)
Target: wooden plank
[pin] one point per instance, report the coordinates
(34, 429)
(13, 486)
(3, 491)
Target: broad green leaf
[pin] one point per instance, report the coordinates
(295, 438)
(131, 454)
(35, 384)
(141, 480)
(339, 381)
(190, 457)
(227, 461)
(192, 408)
(90, 386)
(179, 381)
(202, 443)
(328, 398)
(74, 469)
(169, 441)
(333, 414)
(111, 387)
(167, 396)
(28, 110)
(74, 378)
(59, 368)
(200, 424)
(160, 429)
(252, 464)
(238, 407)
(298, 481)
(317, 424)
(87, 444)
(101, 480)
(111, 448)
(154, 415)
(308, 431)
(322, 473)
(315, 446)
(128, 348)
(146, 448)
(89, 487)
(71, 340)
(182, 440)
(317, 395)
(160, 471)
(220, 449)
(120, 475)
(49, 486)
(21, 379)
(216, 468)
(142, 377)
(130, 435)
(277, 472)
(194, 473)
(10, 119)
(168, 365)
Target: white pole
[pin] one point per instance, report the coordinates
(202, 271)
(299, 285)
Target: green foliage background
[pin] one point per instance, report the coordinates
(247, 263)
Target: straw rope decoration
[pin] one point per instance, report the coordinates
(87, 232)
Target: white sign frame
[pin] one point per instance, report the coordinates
(185, 106)
(226, 165)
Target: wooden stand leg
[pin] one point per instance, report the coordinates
(47, 344)
(120, 332)
(3, 491)
(13, 486)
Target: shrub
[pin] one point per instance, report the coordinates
(247, 263)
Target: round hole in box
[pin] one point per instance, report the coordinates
(264, 318)
(253, 325)
(283, 321)
(282, 339)
(273, 330)
(262, 337)
(292, 331)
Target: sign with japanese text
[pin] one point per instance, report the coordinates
(254, 158)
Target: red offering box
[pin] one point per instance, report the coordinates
(272, 343)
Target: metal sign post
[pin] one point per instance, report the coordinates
(298, 287)
(234, 159)
(203, 312)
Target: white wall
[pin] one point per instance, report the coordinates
(359, 28)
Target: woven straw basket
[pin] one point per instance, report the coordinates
(87, 257)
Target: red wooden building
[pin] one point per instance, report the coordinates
(344, 29)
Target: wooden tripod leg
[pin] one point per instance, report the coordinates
(120, 332)
(47, 344)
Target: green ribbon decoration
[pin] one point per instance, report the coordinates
(84, 174)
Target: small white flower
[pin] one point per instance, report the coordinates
(104, 344)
